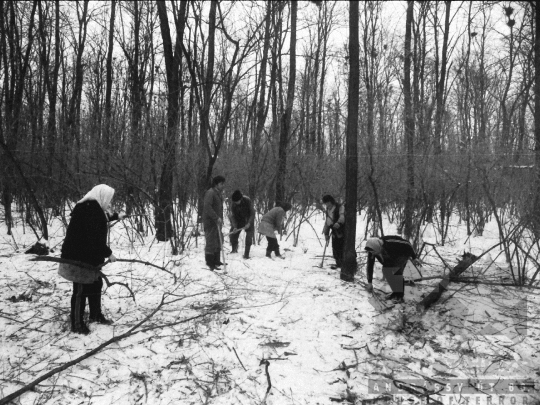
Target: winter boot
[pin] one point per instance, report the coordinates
(82, 329)
(100, 319)
(210, 261)
(234, 248)
(268, 253)
(246, 251)
(278, 254)
(217, 262)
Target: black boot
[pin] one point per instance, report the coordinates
(100, 319)
(217, 262)
(81, 329)
(268, 253)
(210, 261)
(246, 251)
(234, 248)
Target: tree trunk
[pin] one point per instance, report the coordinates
(351, 163)
(536, 210)
(109, 83)
(285, 127)
(441, 85)
(164, 205)
(408, 116)
(74, 115)
(262, 110)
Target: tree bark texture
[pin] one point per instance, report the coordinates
(351, 163)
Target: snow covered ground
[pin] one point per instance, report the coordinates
(222, 338)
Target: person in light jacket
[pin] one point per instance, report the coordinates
(271, 222)
(86, 242)
(212, 219)
(335, 223)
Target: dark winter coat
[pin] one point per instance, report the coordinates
(395, 253)
(242, 213)
(212, 210)
(86, 236)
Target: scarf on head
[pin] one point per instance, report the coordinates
(375, 245)
(101, 193)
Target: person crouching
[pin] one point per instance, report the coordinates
(392, 252)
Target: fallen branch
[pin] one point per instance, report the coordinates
(147, 264)
(84, 266)
(476, 281)
(242, 364)
(67, 365)
(129, 333)
(267, 364)
(432, 297)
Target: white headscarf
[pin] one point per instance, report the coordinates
(101, 193)
(375, 245)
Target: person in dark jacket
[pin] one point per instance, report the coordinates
(335, 223)
(212, 219)
(392, 252)
(86, 242)
(242, 217)
(271, 222)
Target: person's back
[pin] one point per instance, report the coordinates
(394, 248)
(392, 252)
(274, 217)
(86, 235)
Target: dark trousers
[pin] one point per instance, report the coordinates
(81, 292)
(250, 233)
(393, 273)
(337, 248)
(273, 246)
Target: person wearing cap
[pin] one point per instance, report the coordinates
(271, 222)
(86, 242)
(392, 252)
(335, 223)
(242, 217)
(212, 219)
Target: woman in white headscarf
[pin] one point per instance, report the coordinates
(393, 252)
(86, 242)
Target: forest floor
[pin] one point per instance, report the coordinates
(267, 330)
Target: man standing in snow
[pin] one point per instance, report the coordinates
(392, 252)
(242, 217)
(212, 219)
(335, 223)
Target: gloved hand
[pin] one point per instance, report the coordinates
(327, 237)
(417, 262)
(246, 227)
(112, 258)
(219, 221)
(336, 225)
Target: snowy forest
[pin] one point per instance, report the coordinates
(420, 116)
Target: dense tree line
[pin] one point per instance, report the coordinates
(156, 97)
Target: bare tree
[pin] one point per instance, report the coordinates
(408, 116)
(285, 125)
(172, 63)
(351, 177)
